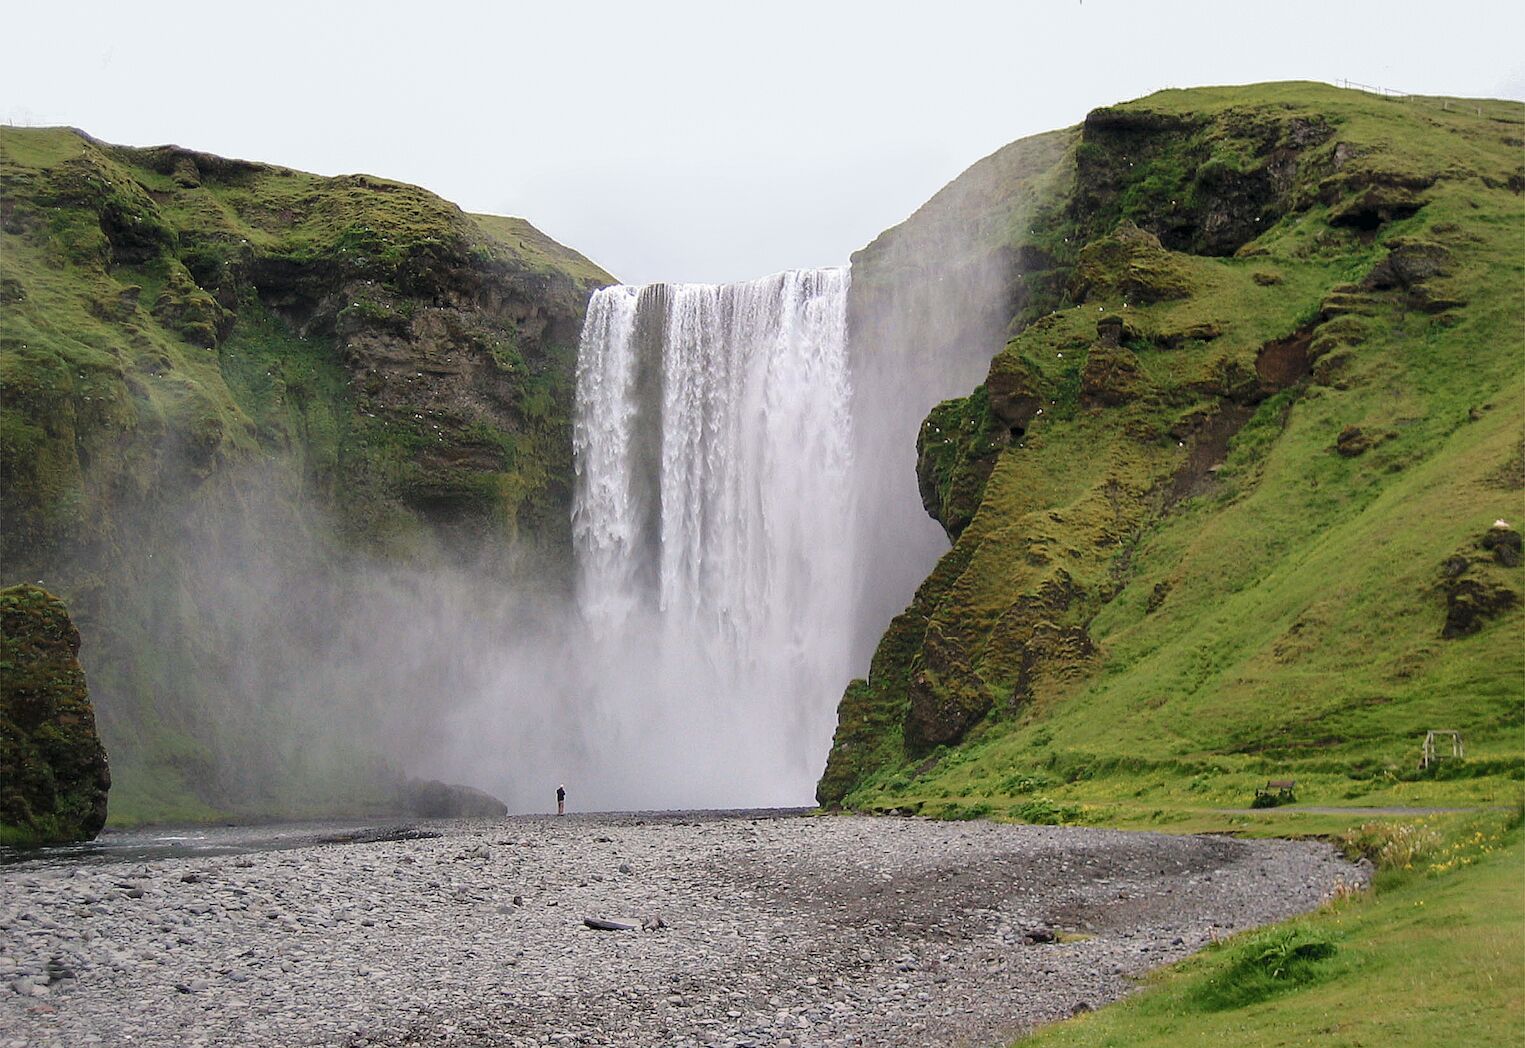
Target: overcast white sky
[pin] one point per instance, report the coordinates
(692, 141)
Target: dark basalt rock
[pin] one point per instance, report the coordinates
(432, 799)
(1505, 545)
(1377, 205)
(53, 772)
(1470, 602)
(1352, 442)
(1130, 165)
(1412, 267)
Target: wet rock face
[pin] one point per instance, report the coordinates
(53, 771)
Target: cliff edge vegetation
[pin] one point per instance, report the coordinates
(1240, 497)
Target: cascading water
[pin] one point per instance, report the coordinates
(713, 443)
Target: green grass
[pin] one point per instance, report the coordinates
(1434, 955)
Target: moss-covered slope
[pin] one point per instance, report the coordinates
(209, 363)
(55, 776)
(1225, 504)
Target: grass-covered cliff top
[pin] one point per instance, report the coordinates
(1224, 509)
(160, 290)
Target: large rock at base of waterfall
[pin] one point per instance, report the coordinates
(432, 799)
(55, 773)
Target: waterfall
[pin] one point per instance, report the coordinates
(713, 444)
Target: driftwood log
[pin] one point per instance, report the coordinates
(600, 925)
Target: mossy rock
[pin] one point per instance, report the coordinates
(56, 776)
(1130, 265)
(1112, 376)
(942, 709)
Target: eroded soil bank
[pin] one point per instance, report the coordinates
(775, 930)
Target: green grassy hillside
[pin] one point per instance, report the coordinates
(217, 377)
(1224, 508)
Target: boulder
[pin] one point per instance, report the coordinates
(1112, 376)
(55, 775)
(1504, 543)
(1131, 265)
(432, 799)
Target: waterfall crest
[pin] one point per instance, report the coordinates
(713, 443)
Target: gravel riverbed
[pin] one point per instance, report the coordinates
(763, 929)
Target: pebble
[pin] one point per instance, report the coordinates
(775, 931)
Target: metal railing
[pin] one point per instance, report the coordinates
(1447, 104)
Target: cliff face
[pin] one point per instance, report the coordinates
(1263, 384)
(224, 382)
(927, 301)
(56, 776)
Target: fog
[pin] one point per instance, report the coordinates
(746, 522)
(695, 660)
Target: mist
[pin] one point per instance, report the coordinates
(746, 522)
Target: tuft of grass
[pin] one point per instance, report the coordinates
(1265, 965)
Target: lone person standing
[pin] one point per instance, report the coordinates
(561, 800)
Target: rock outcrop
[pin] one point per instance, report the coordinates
(53, 772)
(432, 799)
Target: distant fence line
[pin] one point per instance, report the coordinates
(1409, 96)
(1385, 92)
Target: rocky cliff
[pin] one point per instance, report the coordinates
(227, 386)
(1217, 502)
(56, 777)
